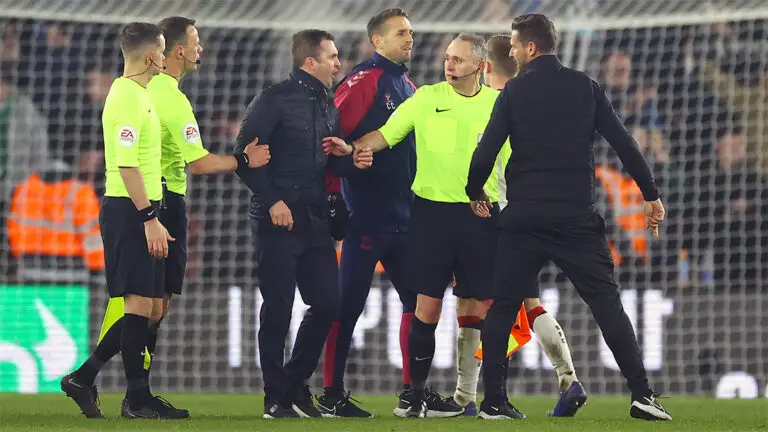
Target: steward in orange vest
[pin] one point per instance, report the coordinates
(625, 202)
(53, 227)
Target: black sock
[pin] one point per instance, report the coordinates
(133, 344)
(107, 348)
(421, 347)
(495, 336)
(151, 344)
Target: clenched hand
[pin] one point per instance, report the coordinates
(363, 158)
(281, 215)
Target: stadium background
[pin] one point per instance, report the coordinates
(698, 300)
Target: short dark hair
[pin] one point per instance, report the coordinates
(378, 20)
(175, 31)
(138, 34)
(498, 52)
(537, 28)
(306, 43)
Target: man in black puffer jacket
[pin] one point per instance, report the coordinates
(289, 215)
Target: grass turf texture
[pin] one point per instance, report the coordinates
(243, 412)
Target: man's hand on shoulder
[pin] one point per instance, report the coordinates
(334, 146)
(258, 155)
(281, 215)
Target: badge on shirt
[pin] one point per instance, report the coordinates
(127, 136)
(388, 101)
(191, 133)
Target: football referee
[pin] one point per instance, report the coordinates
(135, 242)
(550, 114)
(444, 237)
(181, 144)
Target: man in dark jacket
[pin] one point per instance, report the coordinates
(550, 114)
(289, 216)
(379, 201)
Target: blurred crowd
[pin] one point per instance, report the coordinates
(694, 97)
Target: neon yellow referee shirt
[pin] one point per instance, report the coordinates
(448, 128)
(131, 138)
(181, 140)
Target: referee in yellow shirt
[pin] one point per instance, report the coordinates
(134, 239)
(181, 144)
(445, 237)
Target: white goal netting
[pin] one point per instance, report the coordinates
(689, 78)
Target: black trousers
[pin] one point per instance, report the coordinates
(304, 256)
(578, 246)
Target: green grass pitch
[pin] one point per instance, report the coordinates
(229, 413)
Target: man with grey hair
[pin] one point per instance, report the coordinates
(445, 238)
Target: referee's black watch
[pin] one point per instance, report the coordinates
(242, 160)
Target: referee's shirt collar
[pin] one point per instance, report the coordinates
(167, 78)
(542, 62)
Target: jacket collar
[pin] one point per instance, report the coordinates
(379, 61)
(311, 83)
(542, 62)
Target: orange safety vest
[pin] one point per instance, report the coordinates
(56, 219)
(519, 336)
(626, 201)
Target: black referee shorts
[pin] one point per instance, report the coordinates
(174, 218)
(447, 239)
(130, 268)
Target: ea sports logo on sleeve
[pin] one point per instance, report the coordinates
(191, 133)
(127, 136)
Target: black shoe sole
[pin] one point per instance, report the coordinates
(130, 415)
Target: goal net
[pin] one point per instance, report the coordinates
(689, 78)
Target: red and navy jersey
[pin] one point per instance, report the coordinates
(379, 198)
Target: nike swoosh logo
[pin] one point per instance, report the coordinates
(442, 110)
(422, 358)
